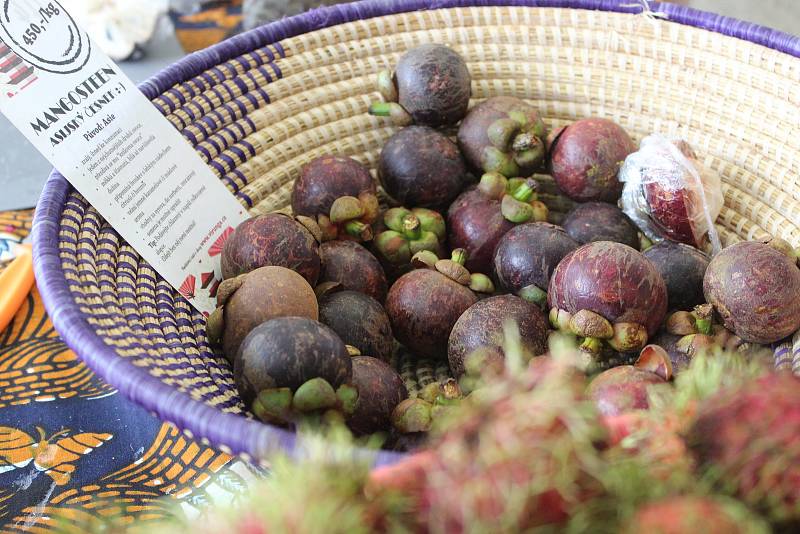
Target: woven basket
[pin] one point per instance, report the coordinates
(261, 105)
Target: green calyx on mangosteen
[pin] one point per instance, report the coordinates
(291, 366)
(504, 135)
(431, 86)
(409, 232)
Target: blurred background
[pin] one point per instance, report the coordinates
(147, 35)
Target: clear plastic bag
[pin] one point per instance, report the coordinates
(670, 194)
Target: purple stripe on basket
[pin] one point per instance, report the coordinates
(218, 167)
(241, 434)
(246, 198)
(191, 137)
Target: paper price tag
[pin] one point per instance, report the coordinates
(81, 112)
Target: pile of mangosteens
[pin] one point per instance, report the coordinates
(315, 305)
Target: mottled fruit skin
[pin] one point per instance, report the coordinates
(528, 254)
(600, 221)
(613, 280)
(755, 289)
(683, 269)
(433, 85)
(473, 134)
(586, 158)
(354, 267)
(482, 326)
(687, 514)
(669, 211)
(423, 306)
(271, 239)
(622, 389)
(266, 293)
(380, 389)
(476, 224)
(287, 352)
(421, 167)
(325, 179)
(360, 321)
(748, 434)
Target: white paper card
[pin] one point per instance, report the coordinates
(89, 119)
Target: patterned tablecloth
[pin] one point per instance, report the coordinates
(73, 450)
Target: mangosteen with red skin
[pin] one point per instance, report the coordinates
(431, 87)
(325, 179)
(600, 221)
(380, 390)
(526, 256)
(287, 352)
(481, 327)
(271, 239)
(354, 267)
(683, 269)
(359, 320)
(424, 304)
(503, 134)
(585, 158)
(622, 389)
(755, 289)
(481, 216)
(608, 291)
(421, 167)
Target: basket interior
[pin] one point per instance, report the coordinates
(258, 118)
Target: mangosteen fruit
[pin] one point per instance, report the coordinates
(622, 389)
(526, 256)
(608, 291)
(600, 221)
(359, 320)
(481, 327)
(326, 178)
(424, 304)
(683, 269)
(380, 390)
(481, 216)
(505, 135)
(431, 86)
(353, 267)
(585, 158)
(421, 167)
(408, 232)
(755, 289)
(271, 239)
(258, 296)
(294, 365)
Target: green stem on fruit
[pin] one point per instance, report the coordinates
(359, 230)
(525, 192)
(525, 141)
(703, 314)
(393, 110)
(386, 86)
(534, 294)
(459, 256)
(411, 227)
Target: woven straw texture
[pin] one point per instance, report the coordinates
(259, 116)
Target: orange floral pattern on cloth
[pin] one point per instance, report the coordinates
(73, 452)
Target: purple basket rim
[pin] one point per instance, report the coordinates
(239, 434)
